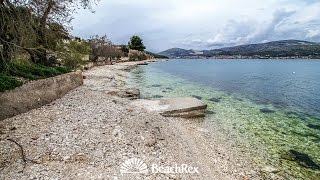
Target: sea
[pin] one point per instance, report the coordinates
(271, 105)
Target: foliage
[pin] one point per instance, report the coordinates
(103, 47)
(29, 70)
(125, 50)
(137, 56)
(35, 27)
(15, 32)
(73, 53)
(136, 43)
(8, 83)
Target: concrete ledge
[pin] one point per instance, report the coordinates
(185, 107)
(37, 93)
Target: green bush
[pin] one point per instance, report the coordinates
(137, 56)
(73, 53)
(7, 83)
(73, 60)
(27, 70)
(31, 71)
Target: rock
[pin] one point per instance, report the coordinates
(210, 112)
(302, 159)
(141, 64)
(215, 99)
(185, 107)
(312, 126)
(287, 157)
(198, 97)
(292, 114)
(270, 169)
(155, 85)
(157, 96)
(266, 110)
(239, 99)
(13, 128)
(66, 158)
(203, 130)
(130, 93)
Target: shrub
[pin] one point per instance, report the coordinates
(7, 83)
(73, 53)
(137, 55)
(28, 70)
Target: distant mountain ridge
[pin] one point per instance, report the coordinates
(274, 49)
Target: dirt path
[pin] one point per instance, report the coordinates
(88, 134)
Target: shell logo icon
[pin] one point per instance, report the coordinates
(133, 166)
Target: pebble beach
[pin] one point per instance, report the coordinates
(90, 132)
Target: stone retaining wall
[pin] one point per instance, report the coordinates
(37, 93)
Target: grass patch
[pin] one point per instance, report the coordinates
(27, 70)
(31, 71)
(7, 83)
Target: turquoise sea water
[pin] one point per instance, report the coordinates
(273, 105)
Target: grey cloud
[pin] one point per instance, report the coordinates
(122, 19)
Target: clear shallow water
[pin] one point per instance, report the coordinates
(237, 90)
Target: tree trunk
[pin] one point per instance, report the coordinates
(5, 57)
(41, 53)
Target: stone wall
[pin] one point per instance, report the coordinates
(37, 93)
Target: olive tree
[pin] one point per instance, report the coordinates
(35, 26)
(103, 47)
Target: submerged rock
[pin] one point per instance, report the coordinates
(266, 110)
(215, 99)
(155, 85)
(210, 112)
(157, 96)
(301, 158)
(292, 114)
(239, 99)
(312, 126)
(198, 97)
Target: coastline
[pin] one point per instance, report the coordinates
(88, 134)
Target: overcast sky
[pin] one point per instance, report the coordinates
(200, 24)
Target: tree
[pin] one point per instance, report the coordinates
(35, 27)
(73, 52)
(52, 17)
(136, 43)
(15, 31)
(125, 50)
(103, 47)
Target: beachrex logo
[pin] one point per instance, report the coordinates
(134, 166)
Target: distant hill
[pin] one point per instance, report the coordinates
(156, 55)
(176, 52)
(285, 48)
